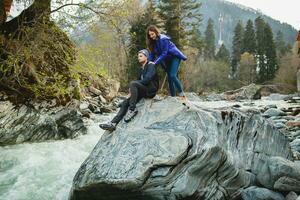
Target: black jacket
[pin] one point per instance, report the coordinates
(148, 77)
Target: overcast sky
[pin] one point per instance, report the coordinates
(283, 10)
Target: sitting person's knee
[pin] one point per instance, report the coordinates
(132, 83)
(125, 103)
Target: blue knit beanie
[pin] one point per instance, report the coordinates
(145, 52)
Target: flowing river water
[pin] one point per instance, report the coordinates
(44, 171)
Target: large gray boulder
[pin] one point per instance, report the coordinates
(171, 152)
(29, 124)
(247, 92)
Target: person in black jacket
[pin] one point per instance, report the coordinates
(145, 87)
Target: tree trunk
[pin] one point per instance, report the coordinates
(35, 55)
(5, 6)
(39, 11)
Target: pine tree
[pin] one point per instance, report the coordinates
(266, 51)
(209, 49)
(138, 39)
(249, 44)
(197, 41)
(237, 48)
(281, 47)
(223, 54)
(179, 17)
(270, 53)
(260, 49)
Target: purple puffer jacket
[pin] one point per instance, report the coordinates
(165, 50)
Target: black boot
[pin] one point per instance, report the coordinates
(108, 126)
(130, 115)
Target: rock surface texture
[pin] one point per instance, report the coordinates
(39, 121)
(171, 152)
(20, 124)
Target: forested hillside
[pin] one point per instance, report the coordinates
(232, 13)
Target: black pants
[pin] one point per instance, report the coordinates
(138, 91)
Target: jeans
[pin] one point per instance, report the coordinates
(137, 92)
(172, 71)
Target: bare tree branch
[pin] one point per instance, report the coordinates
(80, 5)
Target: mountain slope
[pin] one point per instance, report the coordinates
(232, 13)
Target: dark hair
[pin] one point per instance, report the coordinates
(149, 41)
(298, 37)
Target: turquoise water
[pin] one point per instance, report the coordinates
(44, 171)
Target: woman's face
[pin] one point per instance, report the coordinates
(152, 35)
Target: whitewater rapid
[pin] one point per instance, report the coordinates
(44, 171)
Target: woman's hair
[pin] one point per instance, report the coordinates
(149, 41)
(298, 37)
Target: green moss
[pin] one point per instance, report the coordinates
(38, 61)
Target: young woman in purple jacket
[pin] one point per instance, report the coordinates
(163, 51)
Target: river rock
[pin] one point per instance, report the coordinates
(277, 97)
(270, 106)
(256, 193)
(94, 91)
(214, 97)
(26, 124)
(291, 196)
(296, 133)
(273, 112)
(295, 146)
(112, 89)
(294, 123)
(280, 125)
(102, 99)
(247, 92)
(84, 106)
(280, 174)
(192, 96)
(171, 152)
(280, 120)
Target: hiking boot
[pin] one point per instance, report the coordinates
(109, 126)
(130, 115)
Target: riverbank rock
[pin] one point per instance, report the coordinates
(291, 196)
(256, 193)
(171, 152)
(280, 174)
(251, 91)
(38, 121)
(27, 124)
(271, 112)
(98, 86)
